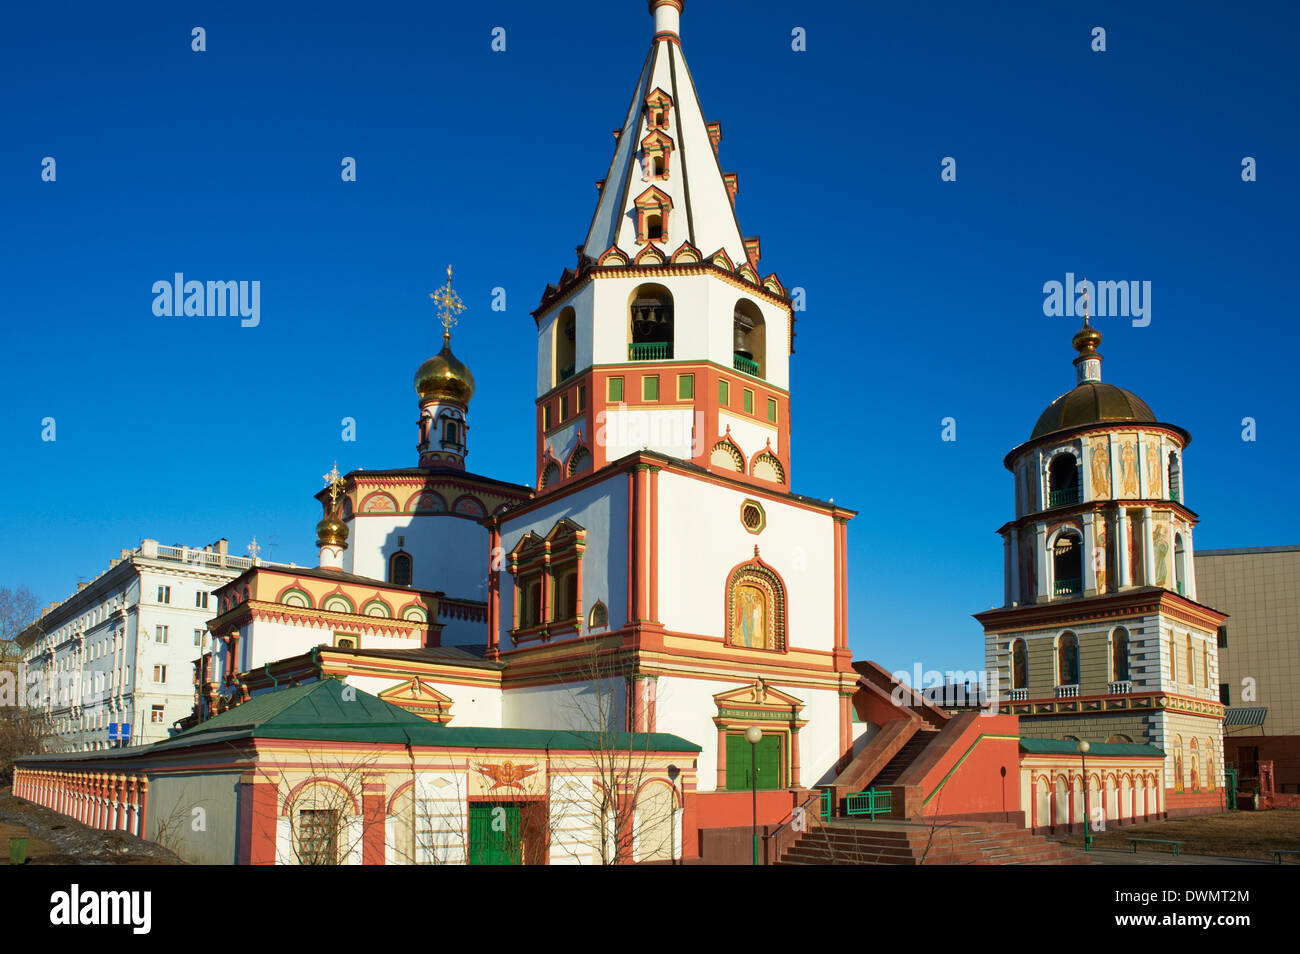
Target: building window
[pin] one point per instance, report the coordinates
(164, 594)
(1019, 665)
(1063, 480)
(1067, 565)
(752, 516)
(160, 634)
(599, 618)
(582, 398)
(399, 569)
(345, 641)
(755, 609)
(318, 836)
(650, 387)
(771, 410)
(1067, 660)
(198, 637)
(614, 390)
(160, 674)
(546, 417)
(156, 714)
(451, 433)
(201, 599)
(650, 324)
(564, 408)
(1225, 693)
(1173, 660)
(548, 580)
(1223, 637)
(749, 401)
(1191, 667)
(1119, 656)
(724, 393)
(685, 387)
(566, 341)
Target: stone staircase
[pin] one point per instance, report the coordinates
(904, 757)
(847, 842)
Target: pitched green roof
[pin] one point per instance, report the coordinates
(331, 711)
(1099, 749)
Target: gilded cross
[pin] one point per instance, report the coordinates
(254, 549)
(1085, 301)
(449, 304)
(335, 483)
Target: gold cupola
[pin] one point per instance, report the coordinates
(444, 378)
(332, 532)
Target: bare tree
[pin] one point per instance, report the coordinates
(24, 730)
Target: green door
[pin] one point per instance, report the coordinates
(740, 762)
(495, 834)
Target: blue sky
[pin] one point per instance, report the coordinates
(924, 298)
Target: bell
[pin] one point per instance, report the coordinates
(742, 325)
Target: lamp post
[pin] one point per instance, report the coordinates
(1083, 748)
(753, 735)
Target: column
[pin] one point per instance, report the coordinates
(1144, 492)
(642, 543)
(495, 557)
(1121, 546)
(258, 821)
(144, 807)
(1085, 471)
(722, 758)
(1015, 564)
(1043, 593)
(132, 808)
(1148, 550)
(652, 533)
(633, 558)
(1189, 564)
(374, 818)
(1089, 561)
(121, 804)
(1007, 567)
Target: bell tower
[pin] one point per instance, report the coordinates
(664, 336)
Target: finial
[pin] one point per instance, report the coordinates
(335, 483)
(254, 549)
(1086, 339)
(449, 306)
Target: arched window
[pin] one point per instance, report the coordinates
(755, 609)
(1119, 655)
(399, 569)
(1019, 665)
(650, 324)
(1067, 565)
(726, 455)
(749, 339)
(599, 618)
(1063, 480)
(1175, 478)
(1178, 763)
(1195, 765)
(579, 461)
(549, 475)
(1191, 668)
(1180, 569)
(767, 467)
(566, 338)
(1119, 737)
(1067, 660)
(450, 433)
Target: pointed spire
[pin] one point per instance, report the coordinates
(665, 186)
(1086, 339)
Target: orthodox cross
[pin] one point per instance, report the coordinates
(449, 305)
(1085, 301)
(254, 549)
(335, 483)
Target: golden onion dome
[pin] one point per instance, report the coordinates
(331, 532)
(1086, 339)
(444, 377)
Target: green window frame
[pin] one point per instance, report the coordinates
(685, 387)
(724, 392)
(749, 401)
(650, 387)
(771, 410)
(614, 389)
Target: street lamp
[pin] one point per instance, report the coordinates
(1083, 748)
(753, 735)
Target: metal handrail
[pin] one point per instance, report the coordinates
(784, 836)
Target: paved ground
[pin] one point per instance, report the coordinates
(1118, 856)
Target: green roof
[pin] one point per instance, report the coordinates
(331, 711)
(1108, 749)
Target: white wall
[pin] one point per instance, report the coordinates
(448, 552)
(701, 538)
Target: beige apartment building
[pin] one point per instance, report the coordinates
(1259, 655)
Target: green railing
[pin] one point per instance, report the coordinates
(748, 365)
(1059, 498)
(1174, 496)
(1068, 587)
(824, 804)
(871, 803)
(566, 373)
(650, 351)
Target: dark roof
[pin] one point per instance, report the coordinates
(1240, 551)
(331, 711)
(1106, 749)
(440, 471)
(1092, 402)
(471, 656)
(1245, 715)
